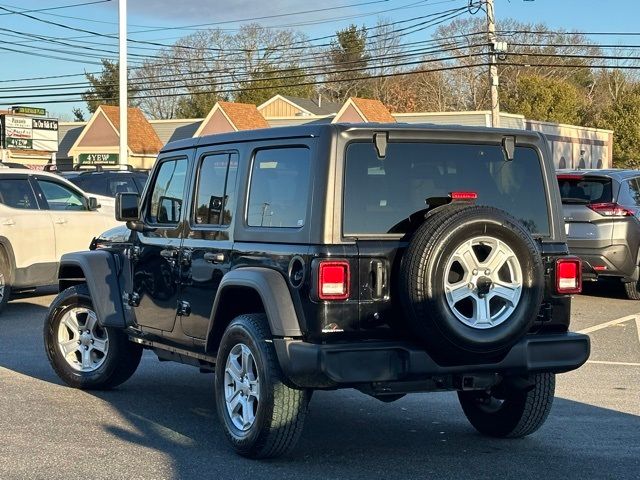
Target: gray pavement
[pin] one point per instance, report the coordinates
(162, 423)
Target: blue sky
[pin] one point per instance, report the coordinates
(157, 15)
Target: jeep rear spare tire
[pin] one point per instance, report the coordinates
(472, 282)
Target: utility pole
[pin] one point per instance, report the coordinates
(123, 155)
(493, 68)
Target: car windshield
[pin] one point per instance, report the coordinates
(381, 194)
(583, 189)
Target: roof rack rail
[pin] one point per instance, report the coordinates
(100, 167)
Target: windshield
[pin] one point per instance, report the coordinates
(587, 190)
(380, 194)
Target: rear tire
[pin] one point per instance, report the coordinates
(262, 417)
(520, 413)
(83, 354)
(632, 290)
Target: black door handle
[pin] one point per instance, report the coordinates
(214, 257)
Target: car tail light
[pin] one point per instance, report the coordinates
(610, 210)
(463, 195)
(333, 280)
(568, 275)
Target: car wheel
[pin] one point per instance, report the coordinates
(632, 290)
(510, 413)
(471, 281)
(5, 280)
(261, 416)
(82, 353)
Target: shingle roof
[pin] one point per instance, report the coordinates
(244, 116)
(373, 110)
(311, 105)
(171, 130)
(68, 133)
(142, 138)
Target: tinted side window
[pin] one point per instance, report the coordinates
(168, 192)
(634, 191)
(141, 180)
(91, 183)
(120, 183)
(17, 193)
(60, 197)
(279, 187)
(216, 189)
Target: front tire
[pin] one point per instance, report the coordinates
(516, 413)
(5, 279)
(262, 417)
(82, 353)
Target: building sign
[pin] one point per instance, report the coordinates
(45, 124)
(29, 111)
(19, 143)
(30, 133)
(91, 158)
(18, 122)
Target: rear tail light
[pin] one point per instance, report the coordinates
(610, 210)
(568, 275)
(333, 280)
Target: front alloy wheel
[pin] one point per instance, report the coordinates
(83, 353)
(83, 343)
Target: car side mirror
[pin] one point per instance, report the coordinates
(93, 203)
(127, 209)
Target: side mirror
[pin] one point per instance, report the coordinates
(127, 209)
(93, 203)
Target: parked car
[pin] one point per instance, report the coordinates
(387, 258)
(601, 214)
(108, 183)
(42, 217)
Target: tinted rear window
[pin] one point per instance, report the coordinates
(381, 194)
(584, 189)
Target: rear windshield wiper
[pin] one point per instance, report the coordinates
(579, 201)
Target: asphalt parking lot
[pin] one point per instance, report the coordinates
(162, 423)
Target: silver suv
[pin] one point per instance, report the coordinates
(601, 214)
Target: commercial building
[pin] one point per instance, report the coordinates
(572, 146)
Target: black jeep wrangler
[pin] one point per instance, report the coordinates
(387, 258)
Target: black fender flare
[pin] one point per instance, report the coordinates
(100, 269)
(272, 288)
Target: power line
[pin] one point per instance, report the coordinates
(58, 7)
(273, 79)
(437, 19)
(317, 82)
(147, 42)
(222, 74)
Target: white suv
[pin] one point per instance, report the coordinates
(42, 217)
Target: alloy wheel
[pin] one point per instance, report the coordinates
(483, 282)
(83, 343)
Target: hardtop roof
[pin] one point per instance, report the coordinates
(316, 130)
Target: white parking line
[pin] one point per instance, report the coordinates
(612, 322)
(603, 362)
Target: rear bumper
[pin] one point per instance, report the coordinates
(323, 366)
(612, 260)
